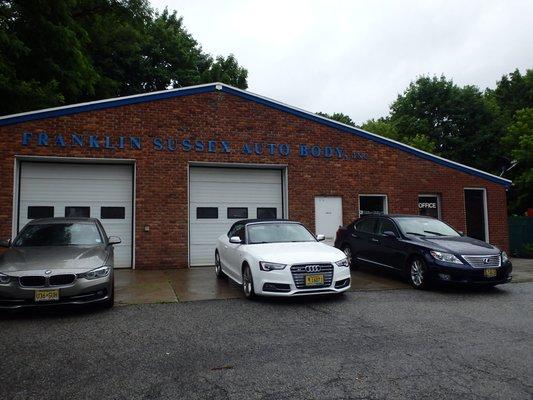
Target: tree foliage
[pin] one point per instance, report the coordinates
(67, 51)
(339, 117)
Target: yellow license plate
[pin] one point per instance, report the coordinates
(46, 295)
(314, 280)
(490, 273)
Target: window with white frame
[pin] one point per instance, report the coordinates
(429, 204)
(373, 204)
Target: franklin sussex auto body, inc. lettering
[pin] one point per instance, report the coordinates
(187, 145)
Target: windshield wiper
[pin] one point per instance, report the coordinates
(415, 233)
(435, 233)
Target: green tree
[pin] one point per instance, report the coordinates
(67, 51)
(384, 127)
(457, 119)
(340, 117)
(519, 143)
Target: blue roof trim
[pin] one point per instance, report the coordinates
(366, 135)
(167, 94)
(100, 105)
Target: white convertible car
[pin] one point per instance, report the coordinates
(280, 258)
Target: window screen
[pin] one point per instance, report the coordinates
(206, 212)
(40, 212)
(113, 212)
(267, 213)
(429, 205)
(372, 204)
(77, 212)
(237, 212)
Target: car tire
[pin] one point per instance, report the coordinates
(218, 267)
(110, 302)
(347, 250)
(417, 273)
(248, 282)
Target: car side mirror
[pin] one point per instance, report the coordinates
(114, 240)
(235, 240)
(390, 234)
(320, 238)
(5, 243)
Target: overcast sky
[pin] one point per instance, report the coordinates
(356, 56)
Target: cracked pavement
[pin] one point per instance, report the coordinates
(394, 344)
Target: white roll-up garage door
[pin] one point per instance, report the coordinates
(221, 196)
(103, 191)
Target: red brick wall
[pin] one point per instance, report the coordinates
(161, 186)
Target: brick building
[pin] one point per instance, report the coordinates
(170, 171)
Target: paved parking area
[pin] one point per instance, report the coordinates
(193, 284)
(387, 344)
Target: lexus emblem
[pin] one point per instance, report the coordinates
(486, 260)
(48, 272)
(312, 268)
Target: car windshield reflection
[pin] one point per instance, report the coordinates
(278, 233)
(67, 234)
(425, 227)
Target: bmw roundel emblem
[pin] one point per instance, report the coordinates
(48, 272)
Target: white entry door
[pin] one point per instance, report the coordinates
(328, 217)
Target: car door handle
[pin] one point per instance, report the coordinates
(354, 235)
(375, 240)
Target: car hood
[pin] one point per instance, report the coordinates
(459, 245)
(295, 253)
(79, 258)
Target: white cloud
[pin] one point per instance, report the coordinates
(356, 56)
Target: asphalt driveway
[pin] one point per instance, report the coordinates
(443, 344)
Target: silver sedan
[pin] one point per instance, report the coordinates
(58, 261)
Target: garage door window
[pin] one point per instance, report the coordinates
(112, 212)
(206, 212)
(372, 204)
(267, 213)
(40, 212)
(237, 212)
(78, 212)
(429, 204)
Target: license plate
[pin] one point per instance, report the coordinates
(314, 280)
(46, 295)
(490, 273)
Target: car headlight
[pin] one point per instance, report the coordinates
(268, 266)
(4, 279)
(446, 257)
(343, 263)
(505, 258)
(100, 272)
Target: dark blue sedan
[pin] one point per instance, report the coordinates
(425, 249)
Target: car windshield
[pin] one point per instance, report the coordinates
(278, 233)
(64, 234)
(425, 227)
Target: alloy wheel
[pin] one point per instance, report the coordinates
(417, 273)
(348, 253)
(218, 266)
(247, 282)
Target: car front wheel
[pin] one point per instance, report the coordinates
(218, 267)
(418, 274)
(248, 283)
(349, 255)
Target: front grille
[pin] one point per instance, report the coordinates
(32, 281)
(66, 279)
(490, 261)
(299, 272)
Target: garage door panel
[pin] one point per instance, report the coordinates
(224, 188)
(95, 186)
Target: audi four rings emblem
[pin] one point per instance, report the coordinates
(312, 268)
